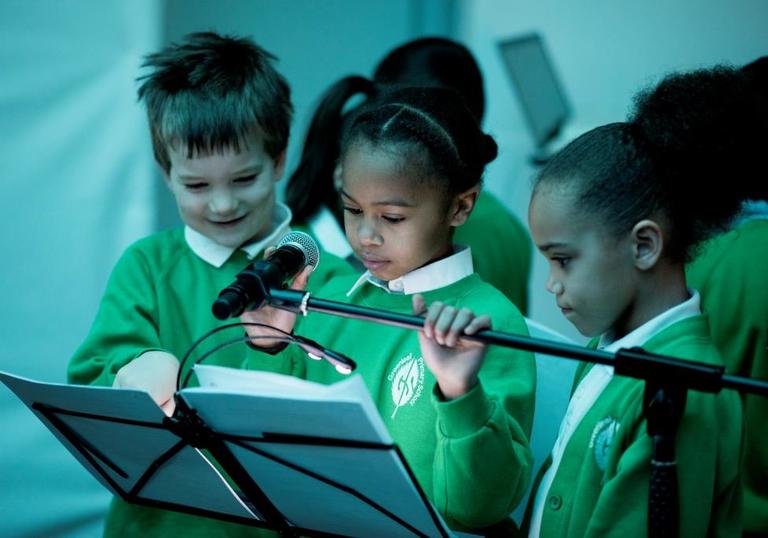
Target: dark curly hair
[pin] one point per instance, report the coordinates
(689, 151)
(756, 72)
(435, 61)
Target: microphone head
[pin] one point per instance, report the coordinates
(305, 244)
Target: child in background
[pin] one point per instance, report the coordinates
(617, 223)
(426, 62)
(730, 273)
(219, 116)
(409, 174)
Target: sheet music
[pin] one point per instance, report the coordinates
(355, 416)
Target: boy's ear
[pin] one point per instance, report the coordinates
(337, 181)
(463, 205)
(647, 244)
(279, 165)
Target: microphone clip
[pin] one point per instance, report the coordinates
(251, 288)
(249, 291)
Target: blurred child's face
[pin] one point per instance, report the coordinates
(228, 197)
(591, 274)
(394, 222)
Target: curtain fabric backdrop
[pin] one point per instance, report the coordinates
(77, 175)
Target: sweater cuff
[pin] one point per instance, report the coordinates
(273, 350)
(465, 415)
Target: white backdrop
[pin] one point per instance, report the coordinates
(77, 172)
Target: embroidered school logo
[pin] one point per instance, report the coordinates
(602, 439)
(407, 379)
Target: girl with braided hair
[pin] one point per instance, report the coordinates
(410, 168)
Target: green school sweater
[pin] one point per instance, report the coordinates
(601, 486)
(501, 248)
(470, 455)
(159, 297)
(730, 274)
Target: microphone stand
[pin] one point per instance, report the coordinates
(667, 381)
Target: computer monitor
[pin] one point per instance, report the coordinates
(540, 94)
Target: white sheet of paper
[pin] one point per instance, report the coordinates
(355, 416)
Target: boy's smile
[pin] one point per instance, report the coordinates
(227, 196)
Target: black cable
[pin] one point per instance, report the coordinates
(215, 330)
(342, 363)
(227, 343)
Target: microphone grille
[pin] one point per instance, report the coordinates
(303, 242)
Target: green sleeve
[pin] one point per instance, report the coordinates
(709, 506)
(329, 267)
(125, 324)
(730, 275)
(483, 460)
(289, 361)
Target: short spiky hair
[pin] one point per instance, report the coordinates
(209, 92)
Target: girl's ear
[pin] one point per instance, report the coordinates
(647, 244)
(463, 205)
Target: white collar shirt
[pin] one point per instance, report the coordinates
(217, 254)
(435, 275)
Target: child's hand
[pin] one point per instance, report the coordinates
(454, 361)
(275, 317)
(154, 372)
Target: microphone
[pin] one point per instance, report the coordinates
(295, 251)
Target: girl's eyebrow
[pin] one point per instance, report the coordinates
(549, 246)
(345, 193)
(400, 202)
